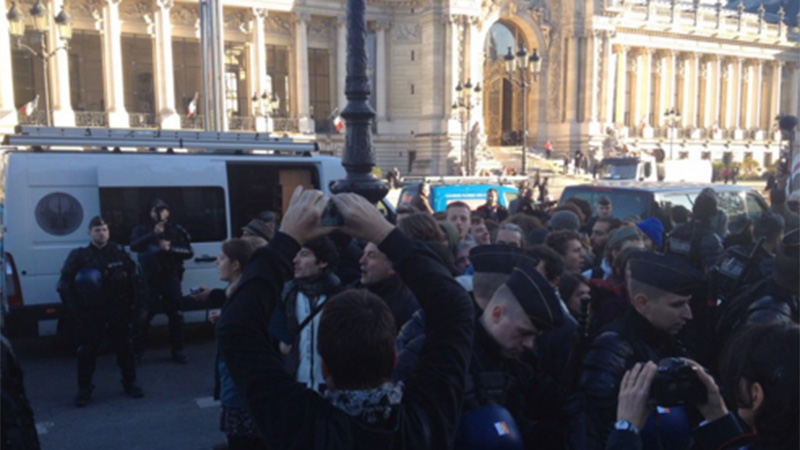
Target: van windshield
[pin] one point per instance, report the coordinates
(618, 172)
(624, 202)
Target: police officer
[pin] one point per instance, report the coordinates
(162, 246)
(660, 289)
(521, 308)
(696, 242)
(100, 287)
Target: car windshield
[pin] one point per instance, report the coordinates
(624, 202)
(618, 172)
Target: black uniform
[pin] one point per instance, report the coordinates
(164, 272)
(105, 304)
(696, 243)
(18, 429)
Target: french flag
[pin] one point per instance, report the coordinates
(28, 108)
(191, 109)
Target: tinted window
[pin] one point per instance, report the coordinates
(731, 203)
(754, 207)
(623, 202)
(201, 210)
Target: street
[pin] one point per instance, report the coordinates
(177, 412)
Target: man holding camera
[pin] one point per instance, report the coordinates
(660, 287)
(162, 246)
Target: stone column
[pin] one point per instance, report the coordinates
(260, 80)
(454, 70)
(164, 78)
(475, 54)
(708, 87)
(685, 70)
(113, 81)
(8, 110)
(642, 102)
(58, 68)
(737, 118)
(381, 69)
(777, 78)
(731, 95)
(571, 73)
(717, 115)
(306, 123)
(609, 72)
(695, 90)
(341, 60)
(759, 65)
(794, 91)
(593, 93)
(622, 67)
(749, 78)
(665, 91)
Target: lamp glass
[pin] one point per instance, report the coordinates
(41, 21)
(509, 58)
(64, 23)
(535, 62)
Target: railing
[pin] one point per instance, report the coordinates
(284, 125)
(238, 123)
(35, 118)
(143, 120)
(192, 123)
(96, 119)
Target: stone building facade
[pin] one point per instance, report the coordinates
(610, 69)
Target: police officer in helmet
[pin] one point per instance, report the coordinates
(162, 246)
(101, 287)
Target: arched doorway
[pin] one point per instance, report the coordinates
(502, 102)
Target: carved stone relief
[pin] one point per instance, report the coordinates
(184, 15)
(235, 19)
(83, 9)
(278, 25)
(407, 33)
(320, 28)
(135, 10)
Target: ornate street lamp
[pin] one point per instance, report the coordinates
(359, 155)
(464, 104)
(673, 117)
(525, 66)
(41, 24)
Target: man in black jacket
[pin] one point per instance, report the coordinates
(380, 278)
(660, 288)
(162, 246)
(362, 409)
(101, 287)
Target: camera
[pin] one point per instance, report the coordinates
(331, 217)
(676, 384)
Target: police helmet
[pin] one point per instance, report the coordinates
(488, 427)
(88, 282)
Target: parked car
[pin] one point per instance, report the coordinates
(657, 199)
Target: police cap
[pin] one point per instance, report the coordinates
(665, 272)
(536, 296)
(498, 258)
(97, 221)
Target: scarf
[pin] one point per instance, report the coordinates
(323, 283)
(369, 405)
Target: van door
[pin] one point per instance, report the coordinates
(195, 190)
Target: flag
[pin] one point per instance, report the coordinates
(336, 119)
(28, 108)
(191, 109)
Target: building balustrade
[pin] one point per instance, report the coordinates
(143, 120)
(91, 119)
(241, 123)
(37, 117)
(192, 123)
(284, 125)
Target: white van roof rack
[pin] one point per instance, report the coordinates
(452, 180)
(112, 138)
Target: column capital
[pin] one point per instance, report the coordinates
(341, 20)
(113, 2)
(258, 13)
(165, 4)
(621, 48)
(302, 17)
(381, 25)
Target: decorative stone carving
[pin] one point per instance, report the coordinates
(277, 24)
(236, 19)
(184, 15)
(134, 11)
(321, 29)
(83, 9)
(407, 33)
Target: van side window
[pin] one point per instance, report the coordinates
(199, 209)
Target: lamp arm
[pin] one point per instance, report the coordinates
(64, 47)
(25, 46)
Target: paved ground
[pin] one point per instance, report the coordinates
(176, 413)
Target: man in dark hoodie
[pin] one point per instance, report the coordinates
(362, 408)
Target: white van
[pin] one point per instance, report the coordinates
(49, 197)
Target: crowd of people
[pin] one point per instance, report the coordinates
(534, 326)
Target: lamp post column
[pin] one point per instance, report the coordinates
(58, 77)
